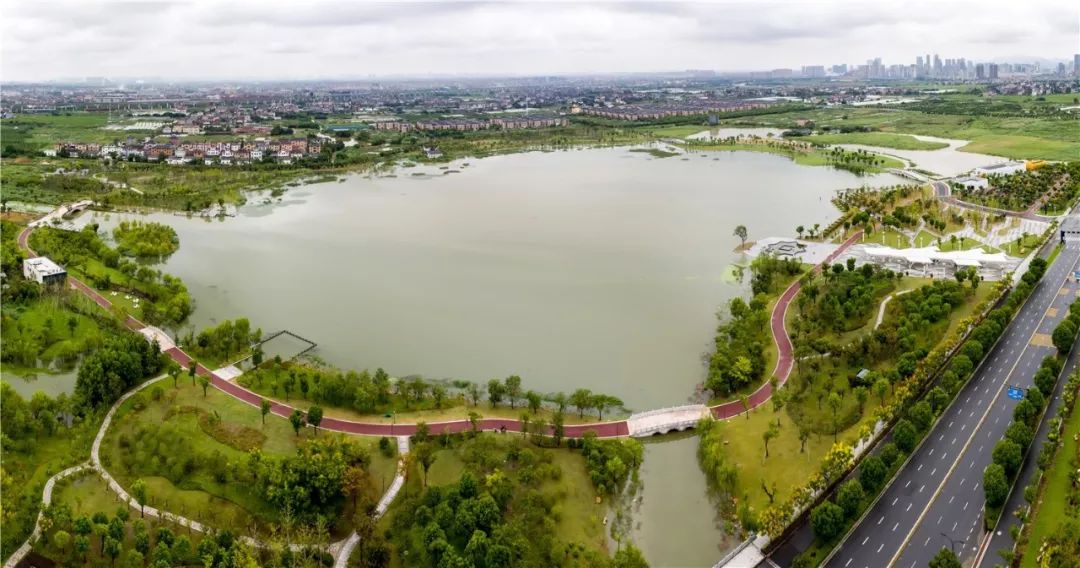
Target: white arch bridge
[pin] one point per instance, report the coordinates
(666, 420)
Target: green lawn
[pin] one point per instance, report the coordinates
(889, 237)
(965, 243)
(882, 139)
(1051, 512)
(579, 516)
(1047, 138)
(925, 238)
(222, 504)
(1022, 246)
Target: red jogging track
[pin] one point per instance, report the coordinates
(615, 429)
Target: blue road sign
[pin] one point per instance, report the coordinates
(1016, 393)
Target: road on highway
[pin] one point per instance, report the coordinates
(937, 498)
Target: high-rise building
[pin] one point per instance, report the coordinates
(980, 71)
(813, 71)
(1076, 64)
(841, 69)
(993, 71)
(937, 66)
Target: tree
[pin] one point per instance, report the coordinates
(742, 233)
(1063, 336)
(204, 382)
(905, 435)
(861, 395)
(881, 389)
(581, 399)
(534, 399)
(314, 417)
(770, 433)
(474, 393)
(602, 402)
(945, 558)
(513, 389)
(872, 473)
(1008, 455)
(474, 422)
(800, 230)
(496, 391)
(629, 557)
(111, 547)
(425, 456)
(995, 485)
(191, 371)
(355, 483)
(264, 408)
(827, 519)
(834, 403)
(438, 394)
(61, 539)
(174, 374)
(557, 427)
(82, 546)
(804, 435)
(297, 421)
(138, 490)
(850, 497)
(745, 400)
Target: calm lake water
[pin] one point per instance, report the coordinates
(599, 268)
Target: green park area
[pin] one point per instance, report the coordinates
(202, 454)
(1051, 137)
(847, 368)
(880, 139)
(803, 153)
(485, 496)
(162, 299)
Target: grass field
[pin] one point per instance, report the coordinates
(881, 139)
(813, 157)
(1011, 137)
(948, 245)
(580, 517)
(222, 504)
(925, 238)
(888, 237)
(1022, 246)
(1052, 511)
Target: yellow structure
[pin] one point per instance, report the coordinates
(1032, 165)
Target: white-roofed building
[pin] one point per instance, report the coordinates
(933, 263)
(44, 271)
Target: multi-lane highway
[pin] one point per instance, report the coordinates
(936, 500)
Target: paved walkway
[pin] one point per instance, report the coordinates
(611, 429)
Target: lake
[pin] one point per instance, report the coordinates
(596, 268)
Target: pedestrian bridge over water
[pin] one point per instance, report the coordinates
(665, 420)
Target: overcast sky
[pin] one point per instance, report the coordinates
(278, 39)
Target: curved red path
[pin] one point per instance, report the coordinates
(613, 429)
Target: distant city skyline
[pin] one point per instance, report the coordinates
(267, 40)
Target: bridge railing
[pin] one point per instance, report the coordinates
(668, 409)
(665, 428)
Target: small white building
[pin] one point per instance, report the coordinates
(44, 271)
(1002, 169)
(972, 183)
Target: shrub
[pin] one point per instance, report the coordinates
(889, 454)
(1008, 455)
(827, 520)
(872, 473)
(850, 497)
(905, 435)
(995, 485)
